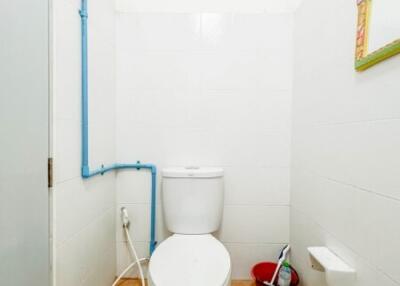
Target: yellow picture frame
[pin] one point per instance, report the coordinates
(364, 59)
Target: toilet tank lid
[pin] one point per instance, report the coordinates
(193, 172)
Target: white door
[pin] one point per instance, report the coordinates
(24, 97)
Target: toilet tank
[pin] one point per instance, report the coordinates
(193, 199)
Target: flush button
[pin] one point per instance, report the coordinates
(192, 167)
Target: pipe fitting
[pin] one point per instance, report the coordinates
(83, 14)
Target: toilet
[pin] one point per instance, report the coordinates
(192, 199)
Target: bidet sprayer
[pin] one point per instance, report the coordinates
(125, 217)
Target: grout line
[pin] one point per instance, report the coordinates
(389, 277)
(67, 180)
(225, 205)
(389, 119)
(98, 218)
(363, 189)
(288, 11)
(257, 243)
(59, 182)
(258, 205)
(348, 184)
(357, 255)
(284, 242)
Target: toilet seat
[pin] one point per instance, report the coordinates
(190, 260)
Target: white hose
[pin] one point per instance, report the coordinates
(136, 256)
(127, 269)
(137, 260)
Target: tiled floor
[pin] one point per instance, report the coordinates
(135, 282)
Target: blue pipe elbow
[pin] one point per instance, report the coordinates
(85, 172)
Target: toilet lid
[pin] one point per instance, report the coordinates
(190, 260)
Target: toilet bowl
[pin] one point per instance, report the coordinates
(192, 200)
(190, 260)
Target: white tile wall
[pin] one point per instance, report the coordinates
(84, 255)
(180, 6)
(84, 210)
(209, 89)
(255, 224)
(244, 255)
(344, 175)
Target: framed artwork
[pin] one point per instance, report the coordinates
(378, 32)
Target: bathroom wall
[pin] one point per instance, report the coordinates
(345, 151)
(84, 210)
(208, 89)
(194, 6)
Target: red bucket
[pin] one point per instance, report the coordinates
(264, 271)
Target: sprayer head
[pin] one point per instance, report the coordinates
(125, 218)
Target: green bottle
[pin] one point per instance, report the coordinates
(285, 274)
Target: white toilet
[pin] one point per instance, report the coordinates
(193, 203)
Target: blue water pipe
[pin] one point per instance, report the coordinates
(86, 172)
